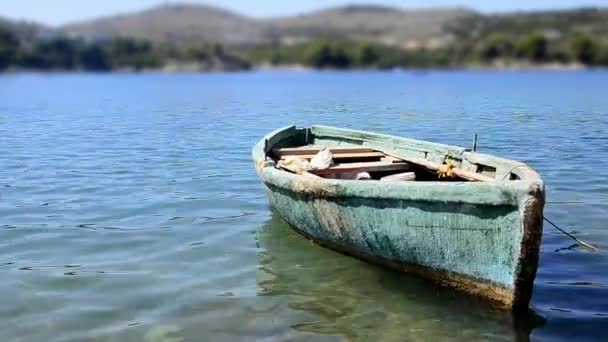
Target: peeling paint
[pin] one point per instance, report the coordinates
(329, 215)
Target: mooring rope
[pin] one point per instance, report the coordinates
(509, 172)
(580, 242)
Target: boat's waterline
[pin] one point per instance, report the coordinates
(481, 238)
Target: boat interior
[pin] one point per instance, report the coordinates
(359, 155)
(368, 163)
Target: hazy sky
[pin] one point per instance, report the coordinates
(56, 12)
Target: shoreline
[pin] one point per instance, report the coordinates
(173, 70)
(499, 66)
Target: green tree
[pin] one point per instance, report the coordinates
(197, 53)
(326, 54)
(94, 57)
(602, 55)
(218, 50)
(496, 46)
(533, 47)
(583, 49)
(367, 55)
(319, 55)
(134, 53)
(55, 53)
(340, 58)
(9, 47)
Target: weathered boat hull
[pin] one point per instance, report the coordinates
(481, 238)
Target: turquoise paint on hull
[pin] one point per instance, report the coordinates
(482, 238)
(454, 237)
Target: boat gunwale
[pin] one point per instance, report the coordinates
(524, 171)
(511, 192)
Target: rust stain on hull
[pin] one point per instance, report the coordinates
(502, 297)
(328, 215)
(527, 263)
(314, 187)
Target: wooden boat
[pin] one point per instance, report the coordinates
(478, 229)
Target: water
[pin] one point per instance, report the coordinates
(130, 209)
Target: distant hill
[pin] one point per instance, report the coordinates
(387, 25)
(192, 23)
(203, 38)
(176, 23)
(553, 24)
(25, 31)
(390, 26)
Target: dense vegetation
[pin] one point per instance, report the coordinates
(341, 54)
(485, 43)
(533, 48)
(560, 23)
(62, 53)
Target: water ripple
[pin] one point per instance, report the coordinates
(132, 211)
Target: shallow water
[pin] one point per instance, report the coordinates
(130, 209)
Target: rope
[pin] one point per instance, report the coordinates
(580, 242)
(509, 173)
(446, 171)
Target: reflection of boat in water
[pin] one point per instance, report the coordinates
(462, 219)
(339, 296)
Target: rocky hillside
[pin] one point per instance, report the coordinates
(25, 31)
(552, 24)
(176, 23)
(390, 26)
(193, 23)
(201, 38)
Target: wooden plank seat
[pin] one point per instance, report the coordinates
(387, 161)
(363, 167)
(343, 155)
(313, 150)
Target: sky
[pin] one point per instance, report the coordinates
(58, 12)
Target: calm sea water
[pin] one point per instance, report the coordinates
(130, 209)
